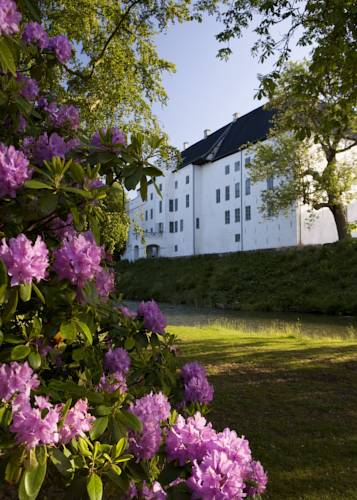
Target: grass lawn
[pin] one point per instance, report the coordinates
(294, 398)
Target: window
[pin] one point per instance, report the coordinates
(197, 223)
(237, 238)
(151, 196)
(247, 186)
(227, 217)
(237, 189)
(151, 230)
(176, 226)
(187, 179)
(160, 206)
(181, 225)
(247, 160)
(161, 227)
(237, 215)
(171, 205)
(151, 213)
(218, 196)
(248, 212)
(146, 215)
(171, 227)
(226, 169)
(187, 200)
(227, 193)
(176, 204)
(160, 187)
(176, 184)
(270, 182)
(237, 166)
(176, 248)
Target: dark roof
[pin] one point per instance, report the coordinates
(252, 127)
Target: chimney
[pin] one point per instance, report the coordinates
(206, 133)
(235, 116)
(185, 145)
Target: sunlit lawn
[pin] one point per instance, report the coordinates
(294, 398)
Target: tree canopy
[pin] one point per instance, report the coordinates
(310, 151)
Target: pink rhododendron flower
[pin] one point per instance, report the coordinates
(24, 260)
(10, 17)
(14, 170)
(34, 33)
(197, 387)
(16, 378)
(78, 259)
(61, 47)
(104, 281)
(117, 360)
(153, 318)
(77, 422)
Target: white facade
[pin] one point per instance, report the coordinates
(209, 208)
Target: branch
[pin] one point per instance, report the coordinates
(95, 61)
(318, 206)
(347, 148)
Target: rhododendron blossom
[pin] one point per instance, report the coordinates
(78, 259)
(10, 17)
(197, 388)
(116, 137)
(61, 47)
(104, 281)
(153, 318)
(29, 88)
(34, 33)
(14, 170)
(117, 360)
(16, 378)
(24, 260)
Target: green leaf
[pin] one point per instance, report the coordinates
(119, 448)
(129, 343)
(48, 203)
(3, 281)
(81, 192)
(25, 291)
(86, 331)
(60, 461)
(35, 360)
(7, 60)
(95, 487)
(32, 480)
(129, 420)
(20, 352)
(11, 305)
(38, 293)
(68, 330)
(98, 427)
(33, 184)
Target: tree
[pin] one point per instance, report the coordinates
(117, 74)
(328, 27)
(115, 223)
(310, 147)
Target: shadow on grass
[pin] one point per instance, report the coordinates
(298, 407)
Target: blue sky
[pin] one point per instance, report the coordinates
(205, 92)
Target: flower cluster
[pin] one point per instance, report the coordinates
(115, 137)
(197, 388)
(31, 424)
(16, 378)
(46, 147)
(104, 281)
(24, 261)
(34, 33)
(10, 17)
(29, 89)
(151, 410)
(116, 363)
(14, 170)
(155, 492)
(222, 462)
(153, 318)
(60, 116)
(78, 259)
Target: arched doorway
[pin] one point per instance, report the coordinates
(136, 252)
(152, 251)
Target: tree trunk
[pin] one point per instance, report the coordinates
(339, 212)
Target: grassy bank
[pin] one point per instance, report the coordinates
(295, 400)
(314, 279)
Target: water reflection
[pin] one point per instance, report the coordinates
(306, 324)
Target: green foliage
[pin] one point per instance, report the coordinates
(315, 279)
(310, 148)
(326, 27)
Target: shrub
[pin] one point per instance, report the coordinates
(89, 391)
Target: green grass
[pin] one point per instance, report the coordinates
(294, 398)
(321, 279)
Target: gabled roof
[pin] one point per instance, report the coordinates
(252, 127)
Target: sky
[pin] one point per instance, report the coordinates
(205, 91)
